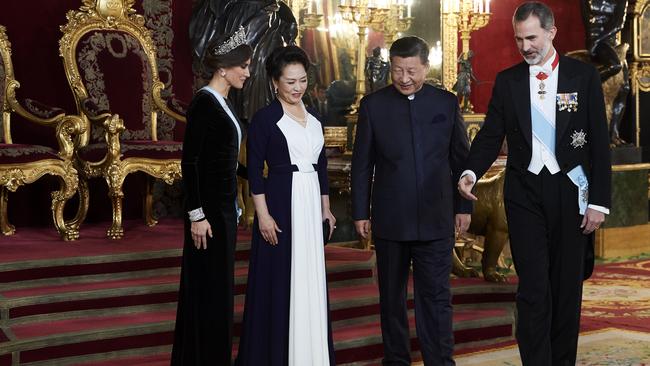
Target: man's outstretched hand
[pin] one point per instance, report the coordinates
(465, 185)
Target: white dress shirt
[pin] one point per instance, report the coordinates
(543, 157)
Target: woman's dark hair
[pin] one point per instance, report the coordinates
(238, 56)
(283, 56)
(409, 47)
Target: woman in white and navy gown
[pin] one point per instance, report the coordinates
(286, 315)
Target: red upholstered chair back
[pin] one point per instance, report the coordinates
(117, 75)
(110, 61)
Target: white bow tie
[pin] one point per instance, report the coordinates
(535, 69)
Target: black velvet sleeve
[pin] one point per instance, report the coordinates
(193, 148)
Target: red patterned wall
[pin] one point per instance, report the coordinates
(494, 46)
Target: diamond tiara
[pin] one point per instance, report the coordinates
(237, 39)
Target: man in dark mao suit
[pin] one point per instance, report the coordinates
(409, 151)
(557, 184)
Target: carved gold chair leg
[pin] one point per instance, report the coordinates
(82, 210)
(116, 231)
(147, 204)
(5, 226)
(69, 186)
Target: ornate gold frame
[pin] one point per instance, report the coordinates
(12, 176)
(640, 67)
(637, 12)
(119, 15)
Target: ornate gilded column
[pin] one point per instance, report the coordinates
(308, 14)
(640, 66)
(364, 14)
(464, 17)
(399, 20)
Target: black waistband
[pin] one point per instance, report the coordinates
(286, 168)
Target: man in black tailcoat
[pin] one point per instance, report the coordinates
(557, 185)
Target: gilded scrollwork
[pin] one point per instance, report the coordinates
(40, 160)
(93, 16)
(167, 170)
(450, 49)
(170, 172)
(641, 36)
(71, 182)
(640, 82)
(115, 177)
(158, 15)
(92, 27)
(641, 75)
(12, 179)
(66, 131)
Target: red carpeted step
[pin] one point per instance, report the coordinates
(360, 342)
(88, 287)
(90, 323)
(86, 296)
(39, 253)
(44, 269)
(106, 301)
(150, 360)
(89, 335)
(66, 294)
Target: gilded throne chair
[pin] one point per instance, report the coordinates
(24, 163)
(110, 62)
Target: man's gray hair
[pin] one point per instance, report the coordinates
(538, 9)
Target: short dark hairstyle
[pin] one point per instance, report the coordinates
(409, 47)
(283, 56)
(212, 62)
(538, 9)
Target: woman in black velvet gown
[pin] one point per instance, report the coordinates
(213, 135)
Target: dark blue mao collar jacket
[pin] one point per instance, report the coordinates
(408, 155)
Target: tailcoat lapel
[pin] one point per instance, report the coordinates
(567, 83)
(520, 89)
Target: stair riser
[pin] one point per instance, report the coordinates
(367, 349)
(87, 269)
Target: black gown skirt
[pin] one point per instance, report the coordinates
(203, 334)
